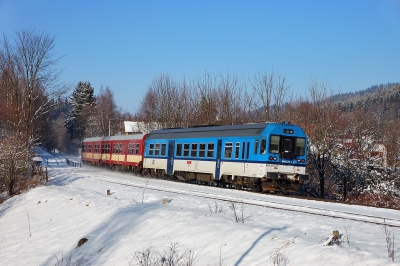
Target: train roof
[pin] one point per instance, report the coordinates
(117, 137)
(209, 131)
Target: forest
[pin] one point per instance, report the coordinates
(354, 137)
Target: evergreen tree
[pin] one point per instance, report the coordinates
(82, 102)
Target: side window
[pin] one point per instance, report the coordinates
(274, 144)
(202, 151)
(194, 150)
(179, 149)
(151, 149)
(157, 150)
(237, 150)
(130, 151)
(186, 149)
(163, 149)
(137, 148)
(263, 146)
(228, 150)
(256, 146)
(210, 150)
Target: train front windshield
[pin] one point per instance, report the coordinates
(284, 145)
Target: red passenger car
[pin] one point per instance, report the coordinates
(122, 151)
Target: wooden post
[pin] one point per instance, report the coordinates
(108, 192)
(47, 176)
(336, 234)
(165, 200)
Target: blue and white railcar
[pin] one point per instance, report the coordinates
(268, 156)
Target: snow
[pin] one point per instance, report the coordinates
(44, 225)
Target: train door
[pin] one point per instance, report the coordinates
(245, 156)
(218, 162)
(170, 160)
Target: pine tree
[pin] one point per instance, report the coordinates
(83, 102)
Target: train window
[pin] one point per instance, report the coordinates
(194, 150)
(228, 150)
(210, 150)
(119, 148)
(274, 144)
(256, 146)
(243, 147)
(248, 150)
(151, 149)
(132, 148)
(157, 150)
(90, 148)
(300, 146)
(237, 150)
(287, 145)
(202, 151)
(263, 146)
(136, 148)
(179, 149)
(186, 149)
(163, 149)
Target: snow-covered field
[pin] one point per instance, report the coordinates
(44, 226)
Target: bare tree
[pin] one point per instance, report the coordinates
(263, 85)
(207, 103)
(320, 129)
(280, 92)
(31, 80)
(269, 93)
(108, 118)
(229, 95)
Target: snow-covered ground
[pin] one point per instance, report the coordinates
(44, 225)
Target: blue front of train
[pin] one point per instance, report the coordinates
(284, 148)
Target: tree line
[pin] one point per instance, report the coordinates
(343, 163)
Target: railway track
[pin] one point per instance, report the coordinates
(268, 203)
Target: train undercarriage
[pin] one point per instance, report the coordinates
(276, 184)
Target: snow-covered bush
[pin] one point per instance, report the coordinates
(14, 162)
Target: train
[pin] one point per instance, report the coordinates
(259, 156)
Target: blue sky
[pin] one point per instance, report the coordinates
(125, 44)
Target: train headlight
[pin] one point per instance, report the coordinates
(275, 158)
